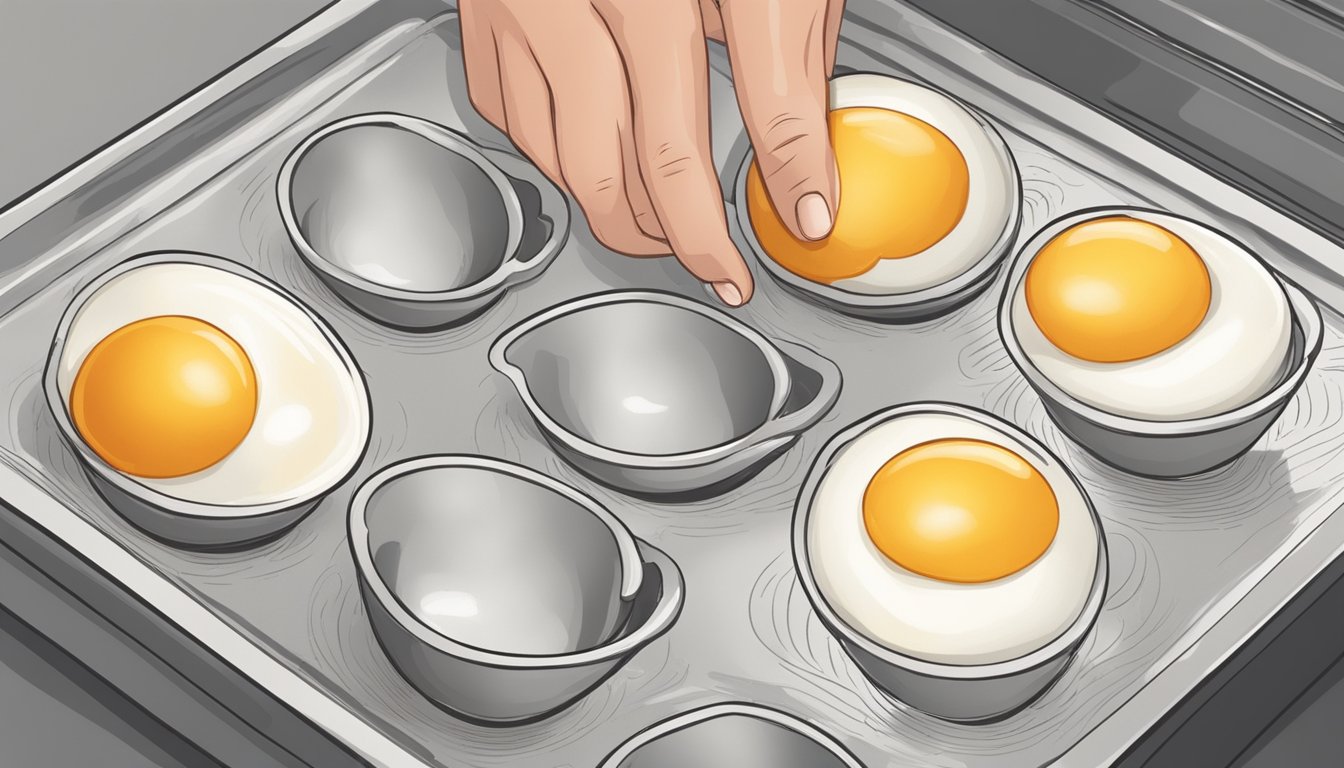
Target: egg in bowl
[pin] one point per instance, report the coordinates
(929, 201)
(959, 563)
(1151, 316)
(209, 406)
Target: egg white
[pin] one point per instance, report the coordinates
(312, 418)
(991, 196)
(934, 620)
(1233, 356)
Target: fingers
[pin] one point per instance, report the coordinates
(592, 133)
(637, 194)
(664, 51)
(527, 106)
(482, 65)
(711, 20)
(835, 14)
(778, 54)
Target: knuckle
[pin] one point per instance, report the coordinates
(783, 131)
(789, 152)
(597, 194)
(671, 159)
(614, 239)
(602, 188)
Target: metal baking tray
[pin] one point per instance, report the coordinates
(1197, 566)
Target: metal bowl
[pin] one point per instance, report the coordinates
(732, 736)
(1162, 449)
(658, 395)
(409, 222)
(161, 511)
(911, 306)
(500, 593)
(958, 692)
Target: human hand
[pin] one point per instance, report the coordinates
(609, 98)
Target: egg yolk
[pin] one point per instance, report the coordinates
(1117, 289)
(164, 397)
(960, 510)
(904, 186)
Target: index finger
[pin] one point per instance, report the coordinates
(779, 56)
(669, 87)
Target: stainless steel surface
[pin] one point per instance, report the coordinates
(156, 511)
(412, 223)
(56, 713)
(1197, 567)
(731, 736)
(658, 395)
(1289, 49)
(1216, 82)
(500, 593)
(960, 692)
(1162, 449)
(911, 306)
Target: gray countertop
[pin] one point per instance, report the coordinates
(75, 74)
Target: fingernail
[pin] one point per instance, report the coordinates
(728, 293)
(814, 216)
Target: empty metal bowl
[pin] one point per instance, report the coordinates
(924, 303)
(409, 222)
(658, 395)
(732, 736)
(1162, 449)
(324, 429)
(501, 593)
(953, 691)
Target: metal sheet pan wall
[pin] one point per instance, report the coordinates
(1180, 553)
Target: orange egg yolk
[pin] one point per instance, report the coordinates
(960, 510)
(1117, 289)
(903, 187)
(164, 397)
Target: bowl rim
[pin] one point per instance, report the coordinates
(1303, 311)
(1060, 645)
(450, 141)
(709, 712)
(174, 505)
(634, 554)
(967, 281)
(774, 359)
